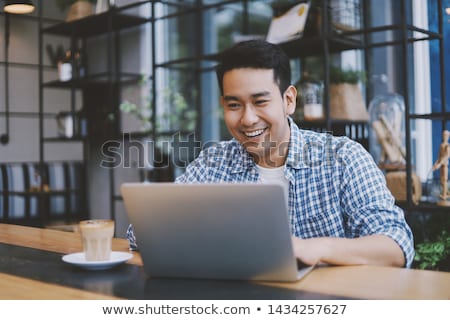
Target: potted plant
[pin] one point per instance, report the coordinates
(177, 119)
(77, 8)
(346, 100)
(176, 116)
(434, 255)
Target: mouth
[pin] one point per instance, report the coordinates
(254, 133)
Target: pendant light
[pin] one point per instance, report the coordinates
(18, 7)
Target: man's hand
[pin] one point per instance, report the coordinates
(309, 251)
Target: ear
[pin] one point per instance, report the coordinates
(290, 99)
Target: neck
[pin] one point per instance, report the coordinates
(275, 157)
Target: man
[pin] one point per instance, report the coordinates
(340, 209)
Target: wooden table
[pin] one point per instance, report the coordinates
(31, 268)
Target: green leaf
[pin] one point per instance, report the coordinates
(338, 75)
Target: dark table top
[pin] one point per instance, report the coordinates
(31, 258)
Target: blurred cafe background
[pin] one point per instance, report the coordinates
(95, 93)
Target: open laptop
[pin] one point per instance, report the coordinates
(212, 231)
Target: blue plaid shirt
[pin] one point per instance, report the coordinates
(335, 187)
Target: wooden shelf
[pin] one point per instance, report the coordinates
(62, 139)
(431, 116)
(100, 79)
(313, 46)
(95, 24)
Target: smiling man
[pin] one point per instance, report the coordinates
(340, 209)
(256, 111)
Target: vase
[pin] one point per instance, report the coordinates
(79, 9)
(347, 103)
(387, 130)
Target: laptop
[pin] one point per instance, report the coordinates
(235, 231)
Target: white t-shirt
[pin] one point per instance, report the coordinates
(276, 176)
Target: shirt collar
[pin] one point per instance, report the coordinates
(296, 147)
(242, 160)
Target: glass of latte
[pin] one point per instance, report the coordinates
(96, 235)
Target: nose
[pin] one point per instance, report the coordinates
(249, 117)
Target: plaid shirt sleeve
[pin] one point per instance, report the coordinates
(367, 202)
(337, 190)
(195, 172)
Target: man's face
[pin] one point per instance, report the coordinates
(256, 113)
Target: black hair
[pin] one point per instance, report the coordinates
(256, 54)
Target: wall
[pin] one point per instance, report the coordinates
(23, 91)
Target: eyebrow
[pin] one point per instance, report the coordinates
(254, 95)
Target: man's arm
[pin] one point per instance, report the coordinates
(367, 250)
(376, 229)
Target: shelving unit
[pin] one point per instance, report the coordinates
(100, 91)
(8, 21)
(108, 23)
(400, 34)
(23, 200)
(405, 35)
(323, 44)
(108, 83)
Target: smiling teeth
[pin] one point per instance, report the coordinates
(254, 133)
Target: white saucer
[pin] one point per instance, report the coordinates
(78, 259)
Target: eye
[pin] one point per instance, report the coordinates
(261, 102)
(233, 105)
